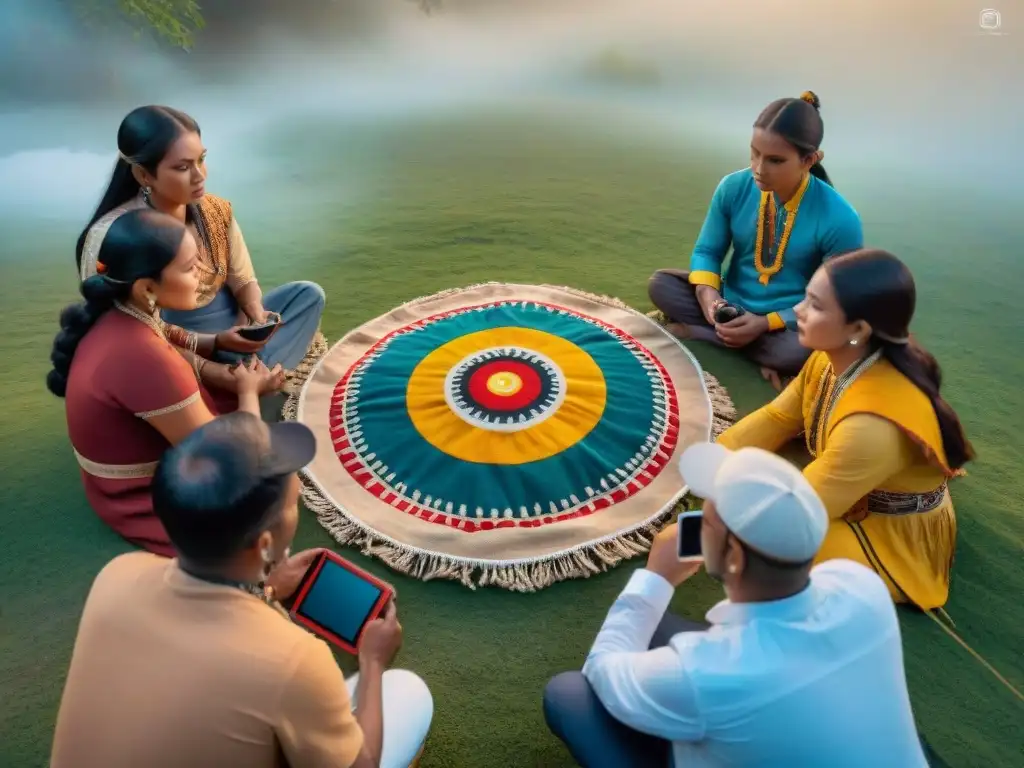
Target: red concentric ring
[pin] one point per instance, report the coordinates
(352, 460)
(492, 401)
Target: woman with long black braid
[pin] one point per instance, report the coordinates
(128, 393)
(162, 165)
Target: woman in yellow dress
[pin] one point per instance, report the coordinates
(883, 441)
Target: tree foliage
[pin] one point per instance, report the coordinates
(176, 22)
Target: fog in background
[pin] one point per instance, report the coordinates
(913, 91)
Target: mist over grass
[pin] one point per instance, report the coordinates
(387, 154)
(913, 93)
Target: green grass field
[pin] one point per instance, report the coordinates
(381, 215)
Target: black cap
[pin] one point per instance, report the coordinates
(292, 447)
(225, 481)
(280, 448)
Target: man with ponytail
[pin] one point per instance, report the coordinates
(884, 442)
(128, 393)
(782, 218)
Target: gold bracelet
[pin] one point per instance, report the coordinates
(178, 336)
(197, 360)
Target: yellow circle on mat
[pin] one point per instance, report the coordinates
(579, 413)
(506, 383)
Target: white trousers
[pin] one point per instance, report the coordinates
(408, 710)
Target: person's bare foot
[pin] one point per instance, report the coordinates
(773, 378)
(679, 330)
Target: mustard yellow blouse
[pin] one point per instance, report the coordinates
(869, 435)
(863, 452)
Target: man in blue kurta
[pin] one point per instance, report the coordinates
(769, 268)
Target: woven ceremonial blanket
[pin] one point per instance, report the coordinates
(511, 435)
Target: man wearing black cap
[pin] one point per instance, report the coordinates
(800, 666)
(191, 662)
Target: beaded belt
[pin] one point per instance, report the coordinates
(889, 503)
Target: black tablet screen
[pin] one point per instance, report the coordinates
(340, 601)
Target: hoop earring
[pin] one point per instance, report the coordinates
(268, 563)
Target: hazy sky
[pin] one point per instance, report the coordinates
(914, 83)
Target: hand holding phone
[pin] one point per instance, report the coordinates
(231, 341)
(261, 331)
(663, 560)
(728, 312)
(688, 546)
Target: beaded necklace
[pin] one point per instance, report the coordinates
(830, 389)
(258, 589)
(766, 226)
(153, 321)
(194, 216)
(158, 327)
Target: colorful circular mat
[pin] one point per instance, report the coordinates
(502, 434)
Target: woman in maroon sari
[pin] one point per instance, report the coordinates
(128, 392)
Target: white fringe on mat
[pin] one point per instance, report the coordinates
(295, 379)
(524, 575)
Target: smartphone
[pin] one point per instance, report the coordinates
(688, 540)
(260, 332)
(336, 600)
(728, 312)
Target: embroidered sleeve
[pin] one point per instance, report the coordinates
(714, 240)
(240, 269)
(154, 380)
(773, 425)
(862, 452)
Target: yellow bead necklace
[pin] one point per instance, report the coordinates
(766, 230)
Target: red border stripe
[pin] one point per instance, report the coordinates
(641, 477)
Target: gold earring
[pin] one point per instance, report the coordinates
(152, 303)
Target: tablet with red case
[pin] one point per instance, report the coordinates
(336, 600)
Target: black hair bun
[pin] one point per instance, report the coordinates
(99, 289)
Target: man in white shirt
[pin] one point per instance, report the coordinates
(801, 666)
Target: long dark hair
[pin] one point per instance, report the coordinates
(143, 139)
(874, 286)
(140, 244)
(799, 122)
